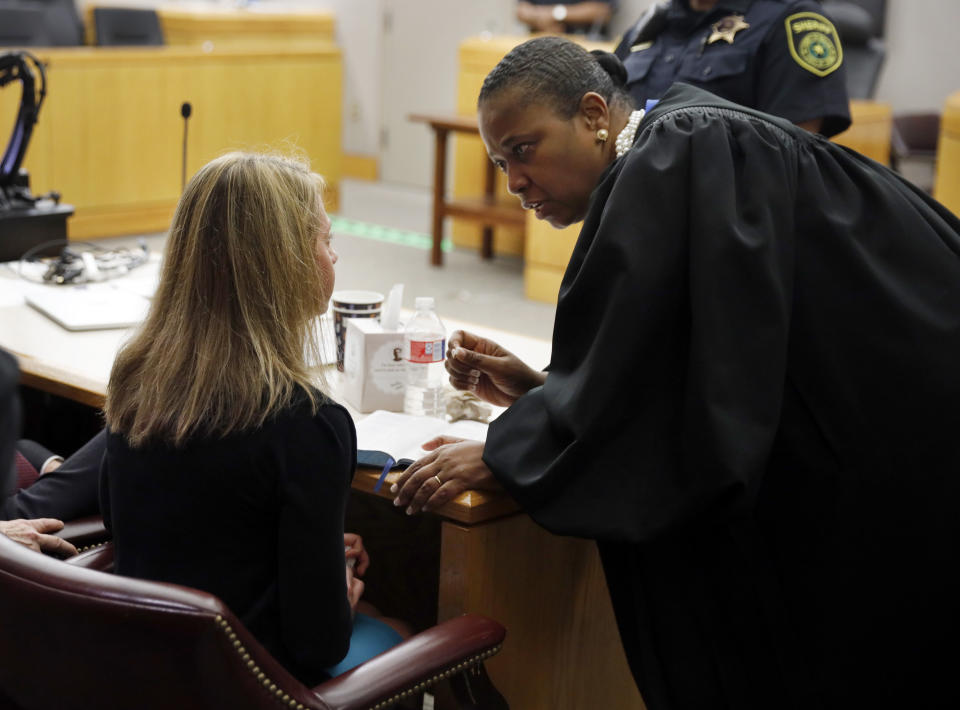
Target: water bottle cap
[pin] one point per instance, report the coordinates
(423, 302)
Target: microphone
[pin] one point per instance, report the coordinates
(185, 110)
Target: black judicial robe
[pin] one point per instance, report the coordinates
(753, 405)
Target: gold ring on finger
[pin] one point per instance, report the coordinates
(439, 482)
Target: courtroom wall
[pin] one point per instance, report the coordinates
(921, 70)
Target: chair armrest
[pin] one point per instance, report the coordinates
(99, 558)
(83, 532)
(455, 646)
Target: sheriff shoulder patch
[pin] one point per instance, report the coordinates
(813, 43)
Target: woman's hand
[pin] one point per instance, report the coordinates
(356, 553)
(354, 590)
(357, 562)
(452, 466)
(484, 368)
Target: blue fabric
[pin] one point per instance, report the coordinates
(370, 638)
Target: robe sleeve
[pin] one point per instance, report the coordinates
(669, 354)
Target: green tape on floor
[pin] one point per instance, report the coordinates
(365, 230)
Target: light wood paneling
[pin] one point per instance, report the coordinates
(244, 27)
(563, 649)
(136, 218)
(223, 27)
(469, 507)
(110, 133)
(870, 130)
(360, 167)
(542, 283)
(545, 260)
(946, 188)
(477, 58)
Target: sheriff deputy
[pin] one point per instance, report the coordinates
(779, 56)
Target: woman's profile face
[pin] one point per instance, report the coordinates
(326, 255)
(552, 163)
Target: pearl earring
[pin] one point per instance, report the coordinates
(602, 135)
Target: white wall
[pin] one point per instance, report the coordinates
(359, 29)
(923, 65)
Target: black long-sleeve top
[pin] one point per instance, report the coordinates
(255, 518)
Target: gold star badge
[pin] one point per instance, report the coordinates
(727, 28)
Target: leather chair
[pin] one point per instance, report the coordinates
(78, 638)
(40, 23)
(61, 19)
(125, 26)
(84, 533)
(876, 10)
(22, 27)
(863, 51)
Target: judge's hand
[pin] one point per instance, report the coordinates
(490, 372)
(452, 466)
(34, 534)
(355, 551)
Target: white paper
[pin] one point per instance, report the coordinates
(401, 435)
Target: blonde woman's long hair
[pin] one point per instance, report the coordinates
(233, 323)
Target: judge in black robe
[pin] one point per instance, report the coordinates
(753, 405)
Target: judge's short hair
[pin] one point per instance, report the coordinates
(559, 72)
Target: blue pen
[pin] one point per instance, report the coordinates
(383, 474)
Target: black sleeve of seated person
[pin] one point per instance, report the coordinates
(315, 622)
(67, 493)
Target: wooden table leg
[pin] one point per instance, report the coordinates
(439, 188)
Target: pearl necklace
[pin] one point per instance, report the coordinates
(625, 137)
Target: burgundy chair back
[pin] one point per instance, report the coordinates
(78, 638)
(27, 475)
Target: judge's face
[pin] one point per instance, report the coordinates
(552, 163)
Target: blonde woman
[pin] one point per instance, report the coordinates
(226, 468)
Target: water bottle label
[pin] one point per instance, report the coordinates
(427, 350)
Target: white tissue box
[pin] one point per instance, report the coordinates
(374, 373)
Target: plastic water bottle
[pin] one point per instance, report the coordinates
(424, 349)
